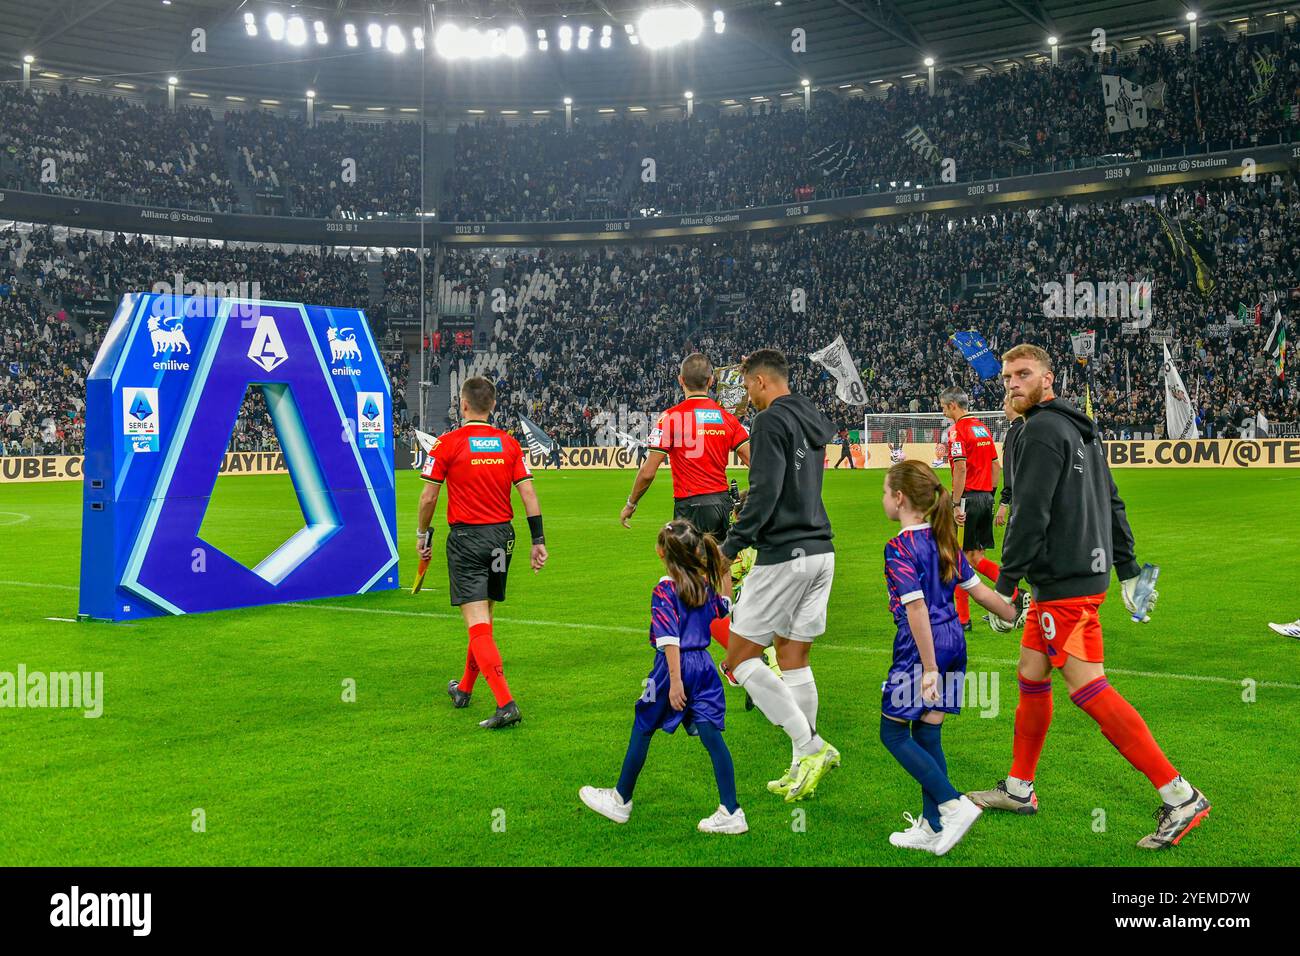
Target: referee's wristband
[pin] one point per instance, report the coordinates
(535, 529)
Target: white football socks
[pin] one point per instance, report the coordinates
(771, 695)
(1176, 791)
(804, 691)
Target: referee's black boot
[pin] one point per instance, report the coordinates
(458, 697)
(504, 717)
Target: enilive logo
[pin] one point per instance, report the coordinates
(485, 444)
(267, 348)
(74, 908)
(343, 348)
(168, 337)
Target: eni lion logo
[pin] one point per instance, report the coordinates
(168, 335)
(343, 348)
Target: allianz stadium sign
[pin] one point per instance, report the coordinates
(1097, 181)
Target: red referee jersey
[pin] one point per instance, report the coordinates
(970, 440)
(479, 464)
(698, 435)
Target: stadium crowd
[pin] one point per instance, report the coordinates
(1238, 92)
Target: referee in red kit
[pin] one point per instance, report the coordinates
(479, 464)
(696, 436)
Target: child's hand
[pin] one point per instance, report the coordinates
(930, 687)
(677, 695)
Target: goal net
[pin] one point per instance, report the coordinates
(928, 428)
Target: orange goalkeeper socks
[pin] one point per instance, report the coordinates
(962, 600)
(488, 659)
(1033, 718)
(1124, 727)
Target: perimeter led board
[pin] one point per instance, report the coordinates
(162, 400)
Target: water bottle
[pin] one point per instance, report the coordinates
(1142, 593)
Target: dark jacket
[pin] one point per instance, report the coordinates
(1068, 527)
(783, 515)
(1009, 457)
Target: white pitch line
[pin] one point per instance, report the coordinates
(18, 514)
(35, 584)
(68, 620)
(1007, 662)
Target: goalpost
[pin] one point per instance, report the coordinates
(926, 428)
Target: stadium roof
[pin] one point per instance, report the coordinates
(142, 42)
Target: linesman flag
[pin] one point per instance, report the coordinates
(539, 443)
(836, 358)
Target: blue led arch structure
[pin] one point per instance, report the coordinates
(162, 400)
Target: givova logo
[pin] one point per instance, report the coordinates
(267, 348)
(74, 908)
(140, 418)
(708, 416)
(485, 444)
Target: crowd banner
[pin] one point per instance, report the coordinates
(29, 468)
(1154, 453)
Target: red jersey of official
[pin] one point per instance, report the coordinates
(970, 440)
(479, 464)
(698, 435)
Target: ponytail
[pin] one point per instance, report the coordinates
(694, 561)
(927, 494)
(944, 528)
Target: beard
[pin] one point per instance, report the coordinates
(1032, 396)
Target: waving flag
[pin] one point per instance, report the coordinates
(836, 358)
(976, 350)
(1180, 416)
(539, 443)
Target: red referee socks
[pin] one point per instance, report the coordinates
(471, 670)
(1033, 717)
(1125, 729)
(488, 658)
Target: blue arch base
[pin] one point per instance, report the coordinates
(162, 400)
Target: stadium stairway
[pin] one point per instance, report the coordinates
(485, 324)
(376, 289)
(242, 189)
(48, 305)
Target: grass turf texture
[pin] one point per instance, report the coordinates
(240, 713)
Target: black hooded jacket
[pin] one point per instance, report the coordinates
(783, 515)
(1068, 527)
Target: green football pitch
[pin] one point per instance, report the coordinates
(227, 739)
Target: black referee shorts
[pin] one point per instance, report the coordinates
(978, 534)
(711, 514)
(478, 561)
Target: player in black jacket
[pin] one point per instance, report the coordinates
(1068, 530)
(1017, 422)
(783, 602)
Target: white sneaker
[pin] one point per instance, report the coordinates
(956, 817)
(918, 836)
(1287, 630)
(606, 802)
(724, 822)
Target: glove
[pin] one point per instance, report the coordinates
(998, 625)
(1129, 589)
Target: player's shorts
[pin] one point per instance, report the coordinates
(900, 694)
(978, 533)
(478, 561)
(785, 600)
(711, 514)
(1068, 627)
(705, 699)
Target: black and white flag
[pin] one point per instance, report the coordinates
(1126, 106)
(837, 359)
(539, 443)
(1180, 415)
(921, 144)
